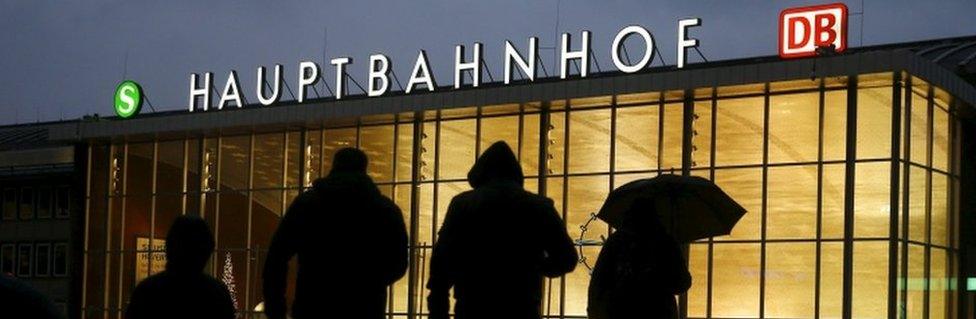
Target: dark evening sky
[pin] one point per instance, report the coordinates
(63, 59)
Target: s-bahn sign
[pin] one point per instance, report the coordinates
(466, 59)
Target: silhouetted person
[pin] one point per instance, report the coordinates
(19, 300)
(351, 244)
(639, 271)
(183, 290)
(497, 243)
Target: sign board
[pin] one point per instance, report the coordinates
(143, 261)
(128, 99)
(802, 30)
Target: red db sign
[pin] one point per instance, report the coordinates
(802, 30)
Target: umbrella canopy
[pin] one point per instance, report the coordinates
(689, 207)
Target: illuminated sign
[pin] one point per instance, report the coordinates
(128, 99)
(803, 30)
(470, 60)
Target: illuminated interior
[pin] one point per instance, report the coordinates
(780, 149)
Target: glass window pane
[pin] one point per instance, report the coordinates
(44, 201)
(701, 138)
(835, 125)
(313, 155)
(915, 283)
(832, 222)
(506, 129)
(637, 138)
(672, 140)
(872, 189)
(940, 139)
(938, 283)
(870, 286)
(9, 203)
(792, 202)
(456, 152)
(529, 152)
(698, 293)
(744, 185)
(831, 279)
(739, 131)
(556, 134)
(920, 130)
(874, 122)
(589, 141)
(918, 190)
(790, 280)
(428, 150)
(138, 169)
(735, 285)
(268, 160)
(794, 127)
(169, 167)
(404, 153)
(586, 196)
(234, 157)
(232, 221)
(293, 154)
(377, 143)
(940, 209)
(577, 283)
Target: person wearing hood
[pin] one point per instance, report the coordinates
(496, 245)
(183, 290)
(351, 244)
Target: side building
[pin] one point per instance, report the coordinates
(41, 214)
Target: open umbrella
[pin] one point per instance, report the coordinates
(689, 207)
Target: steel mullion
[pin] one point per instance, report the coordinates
(906, 184)
(893, 195)
(85, 241)
(765, 201)
(711, 177)
(849, 176)
(565, 199)
(822, 95)
(928, 202)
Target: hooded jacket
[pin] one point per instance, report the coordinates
(496, 245)
(351, 244)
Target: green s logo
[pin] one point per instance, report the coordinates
(128, 99)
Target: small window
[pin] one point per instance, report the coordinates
(9, 203)
(25, 253)
(42, 260)
(63, 206)
(8, 258)
(26, 203)
(60, 260)
(44, 202)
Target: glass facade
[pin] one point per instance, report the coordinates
(844, 179)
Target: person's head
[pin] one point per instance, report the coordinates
(349, 160)
(497, 163)
(189, 244)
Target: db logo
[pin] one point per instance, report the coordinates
(802, 30)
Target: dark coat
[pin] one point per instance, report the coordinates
(351, 244)
(496, 245)
(637, 276)
(19, 300)
(175, 295)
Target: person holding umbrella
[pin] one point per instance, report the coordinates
(641, 267)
